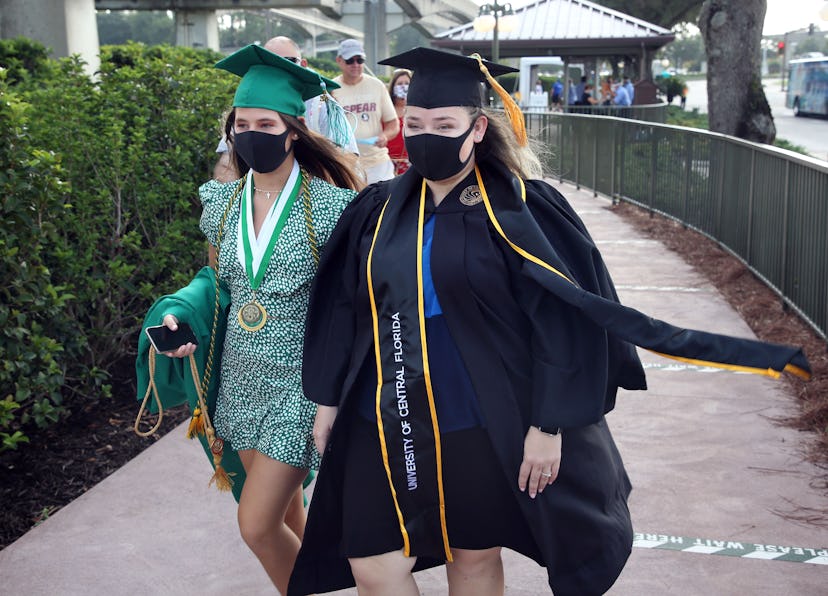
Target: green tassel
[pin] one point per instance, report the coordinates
(339, 129)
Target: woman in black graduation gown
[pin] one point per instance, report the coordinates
(464, 342)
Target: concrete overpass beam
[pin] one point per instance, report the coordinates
(68, 28)
(197, 29)
(328, 7)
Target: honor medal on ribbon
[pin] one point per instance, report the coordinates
(252, 316)
(257, 250)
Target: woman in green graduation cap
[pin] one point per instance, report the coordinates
(267, 230)
(464, 341)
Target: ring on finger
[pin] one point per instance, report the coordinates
(546, 474)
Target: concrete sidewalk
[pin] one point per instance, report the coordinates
(705, 457)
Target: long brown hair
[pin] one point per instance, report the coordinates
(317, 154)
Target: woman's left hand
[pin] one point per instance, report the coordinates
(541, 461)
(322, 424)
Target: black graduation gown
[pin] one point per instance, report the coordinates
(566, 376)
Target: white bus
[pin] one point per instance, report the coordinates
(808, 87)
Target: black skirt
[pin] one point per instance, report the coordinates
(481, 509)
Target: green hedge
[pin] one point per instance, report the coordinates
(99, 188)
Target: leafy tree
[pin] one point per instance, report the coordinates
(22, 59)
(666, 13)
(149, 27)
(811, 44)
(687, 51)
(732, 31)
(248, 27)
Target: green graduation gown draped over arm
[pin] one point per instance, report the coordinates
(193, 304)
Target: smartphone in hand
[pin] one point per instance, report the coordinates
(165, 339)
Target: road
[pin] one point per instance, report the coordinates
(811, 133)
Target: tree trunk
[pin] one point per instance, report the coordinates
(732, 31)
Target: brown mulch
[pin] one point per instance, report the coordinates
(63, 462)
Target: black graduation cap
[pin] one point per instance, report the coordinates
(442, 79)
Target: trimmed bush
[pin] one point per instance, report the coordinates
(99, 183)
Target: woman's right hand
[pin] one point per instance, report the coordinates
(183, 351)
(325, 416)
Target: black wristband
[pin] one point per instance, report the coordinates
(549, 430)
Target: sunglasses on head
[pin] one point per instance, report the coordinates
(357, 59)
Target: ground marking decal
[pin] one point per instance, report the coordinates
(730, 548)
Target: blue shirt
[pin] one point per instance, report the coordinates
(630, 90)
(622, 97)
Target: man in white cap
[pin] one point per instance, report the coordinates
(366, 97)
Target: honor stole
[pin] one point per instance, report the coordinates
(254, 252)
(409, 432)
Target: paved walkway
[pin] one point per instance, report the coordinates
(702, 450)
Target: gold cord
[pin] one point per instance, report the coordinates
(208, 367)
(312, 240)
(151, 389)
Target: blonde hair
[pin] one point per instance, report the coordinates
(499, 144)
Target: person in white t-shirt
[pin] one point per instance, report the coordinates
(366, 97)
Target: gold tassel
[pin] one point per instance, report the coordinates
(220, 477)
(196, 424)
(511, 108)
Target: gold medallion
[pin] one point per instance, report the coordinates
(252, 316)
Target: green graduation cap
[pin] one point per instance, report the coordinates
(269, 81)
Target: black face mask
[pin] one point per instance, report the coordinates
(263, 152)
(436, 157)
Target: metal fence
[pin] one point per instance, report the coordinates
(656, 112)
(767, 206)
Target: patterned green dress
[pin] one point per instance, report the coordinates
(260, 402)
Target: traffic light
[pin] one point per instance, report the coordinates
(780, 48)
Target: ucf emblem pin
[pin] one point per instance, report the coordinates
(471, 195)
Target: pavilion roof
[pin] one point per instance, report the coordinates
(562, 28)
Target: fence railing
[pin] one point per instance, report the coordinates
(656, 112)
(767, 206)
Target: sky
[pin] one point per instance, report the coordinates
(789, 15)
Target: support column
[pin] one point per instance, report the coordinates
(68, 28)
(197, 29)
(376, 39)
